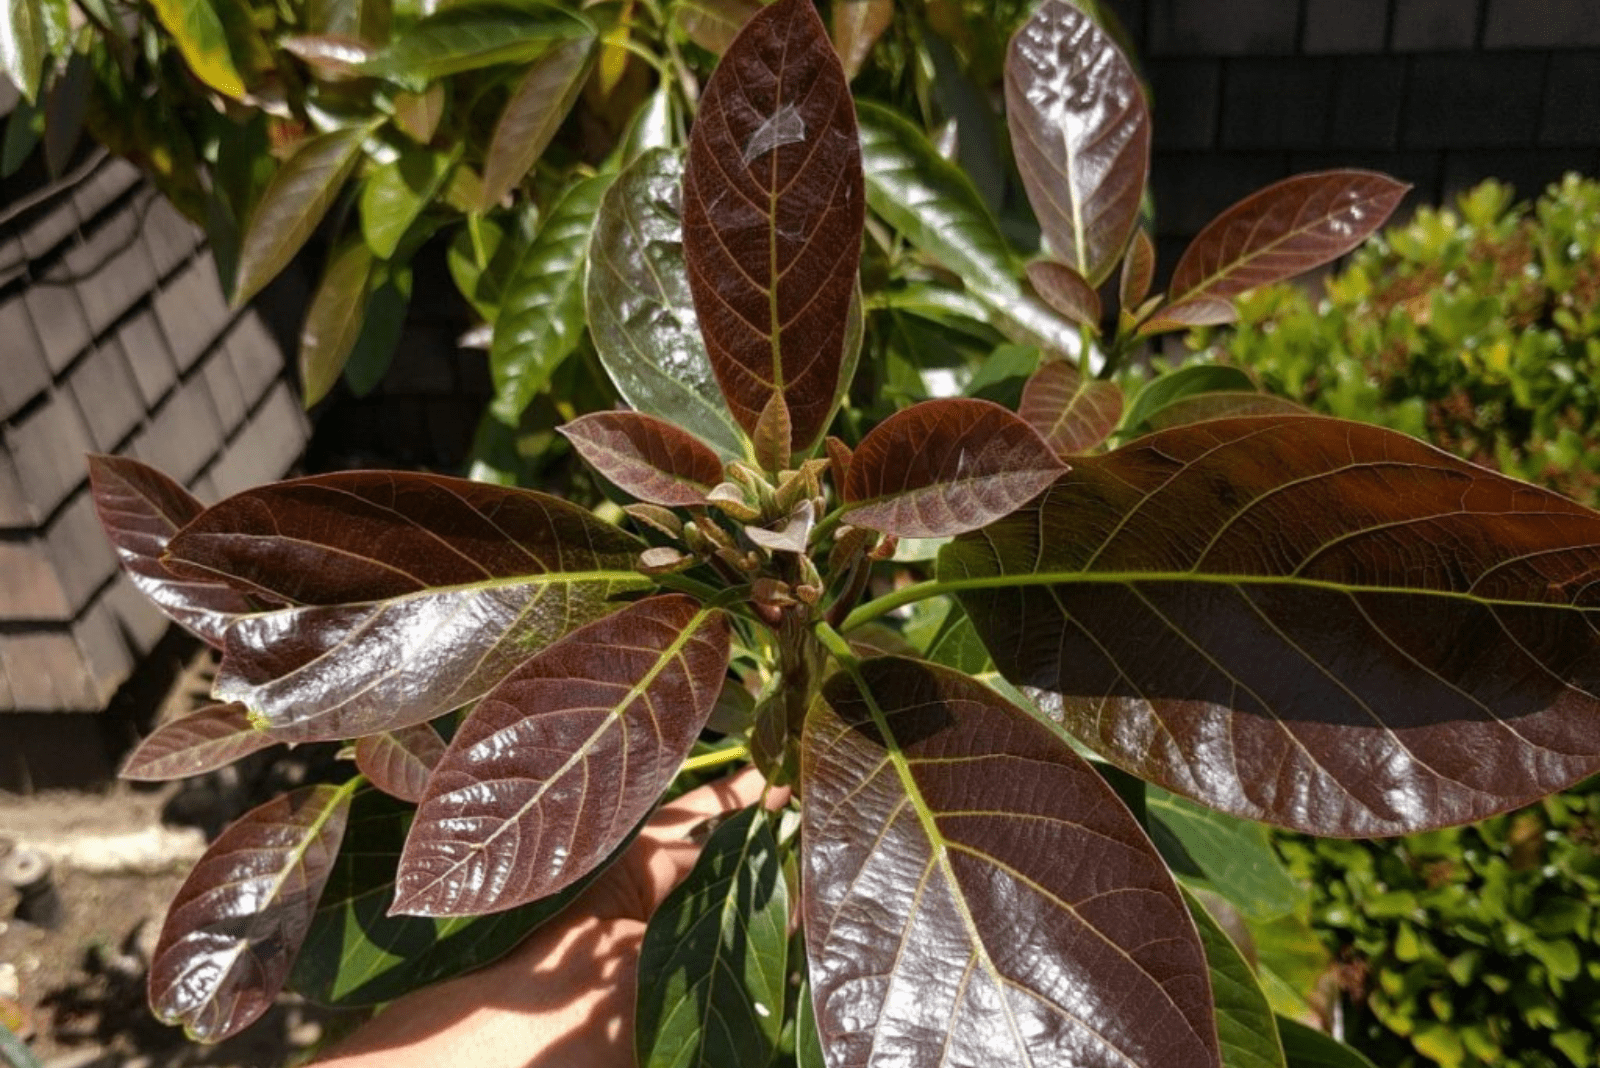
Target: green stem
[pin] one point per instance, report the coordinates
(826, 525)
(917, 591)
(703, 590)
(715, 759)
(834, 642)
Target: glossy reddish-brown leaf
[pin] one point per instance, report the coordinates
(857, 25)
(713, 24)
(1281, 231)
(1080, 129)
(1072, 413)
(1138, 271)
(557, 764)
(414, 593)
(1296, 619)
(202, 741)
(976, 895)
(141, 509)
(772, 218)
(237, 921)
(1065, 290)
(647, 457)
(399, 762)
(1222, 404)
(945, 466)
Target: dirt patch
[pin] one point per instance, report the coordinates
(73, 961)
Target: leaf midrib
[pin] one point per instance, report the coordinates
(1134, 578)
(581, 751)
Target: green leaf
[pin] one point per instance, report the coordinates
(529, 121)
(294, 202)
(1290, 963)
(639, 307)
(364, 20)
(713, 966)
(976, 894)
(333, 322)
(24, 128)
(470, 36)
(436, 587)
(395, 195)
(1371, 636)
(807, 1042)
(15, 1052)
(1235, 856)
(929, 200)
(356, 955)
(201, 35)
(1305, 1047)
(1245, 1026)
(23, 45)
(541, 317)
(388, 298)
(1158, 393)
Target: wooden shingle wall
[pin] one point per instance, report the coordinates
(1439, 93)
(114, 337)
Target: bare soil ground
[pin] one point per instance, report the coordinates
(73, 985)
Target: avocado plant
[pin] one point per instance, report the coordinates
(1285, 618)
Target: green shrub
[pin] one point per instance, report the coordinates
(1478, 328)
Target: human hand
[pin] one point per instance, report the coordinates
(564, 998)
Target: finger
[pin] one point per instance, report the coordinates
(680, 815)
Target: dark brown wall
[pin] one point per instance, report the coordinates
(1439, 93)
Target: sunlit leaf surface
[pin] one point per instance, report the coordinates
(945, 466)
(1081, 133)
(414, 593)
(1281, 231)
(237, 921)
(772, 218)
(1310, 622)
(712, 968)
(556, 765)
(141, 509)
(641, 313)
(976, 895)
(651, 458)
(202, 741)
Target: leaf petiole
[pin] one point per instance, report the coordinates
(917, 591)
(715, 759)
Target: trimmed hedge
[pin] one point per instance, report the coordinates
(1478, 328)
